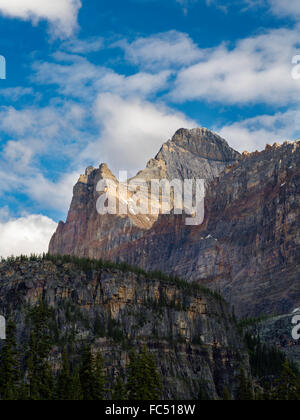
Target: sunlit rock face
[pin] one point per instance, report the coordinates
(247, 247)
(197, 153)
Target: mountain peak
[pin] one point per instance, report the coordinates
(92, 173)
(106, 173)
(204, 143)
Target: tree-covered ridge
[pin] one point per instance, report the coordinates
(118, 311)
(86, 264)
(66, 351)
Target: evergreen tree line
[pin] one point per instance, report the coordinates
(86, 264)
(32, 377)
(28, 374)
(285, 387)
(275, 377)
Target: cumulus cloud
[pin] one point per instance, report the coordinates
(16, 93)
(77, 77)
(254, 133)
(26, 235)
(279, 8)
(61, 14)
(43, 130)
(132, 131)
(4, 214)
(48, 194)
(83, 46)
(164, 50)
(287, 8)
(42, 137)
(54, 195)
(255, 70)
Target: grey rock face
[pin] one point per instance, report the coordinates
(191, 154)
(249, 244)
(190, 332)
(197, 153)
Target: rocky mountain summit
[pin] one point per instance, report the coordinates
(191, 154)
(197, 153)
(247, 247)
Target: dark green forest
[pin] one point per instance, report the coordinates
(28, 375)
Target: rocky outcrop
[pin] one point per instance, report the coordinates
(197, 153)
(190, 331)
(191, 154)
(248, 245)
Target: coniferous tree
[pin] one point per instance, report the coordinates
(119, 391)
(92, 377)
(87, 375)
(99, 378)
(259, 395)
(76, 389)
(267, 394)
(152, 387)
(264, 360)
(64, 381)
(40, 376)
(144, 382)
(9, 366)
(227, 395)
(203, 394)
(244, 392)
(133, 382)
(287, 386)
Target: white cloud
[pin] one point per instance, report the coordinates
(26, 235)
(19, 154)
(77, 77)
(280, 8)
(48, 194)
(132, 131)
(142, 84)
(54, 195)
(14, 94)
(164, 50)
(43, 131)
(4, 214)
(40, 136)
(255, 70)
(285, 7)
(254, 133)
(79, 46)
(62, 14)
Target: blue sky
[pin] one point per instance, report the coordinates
(94, 81)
